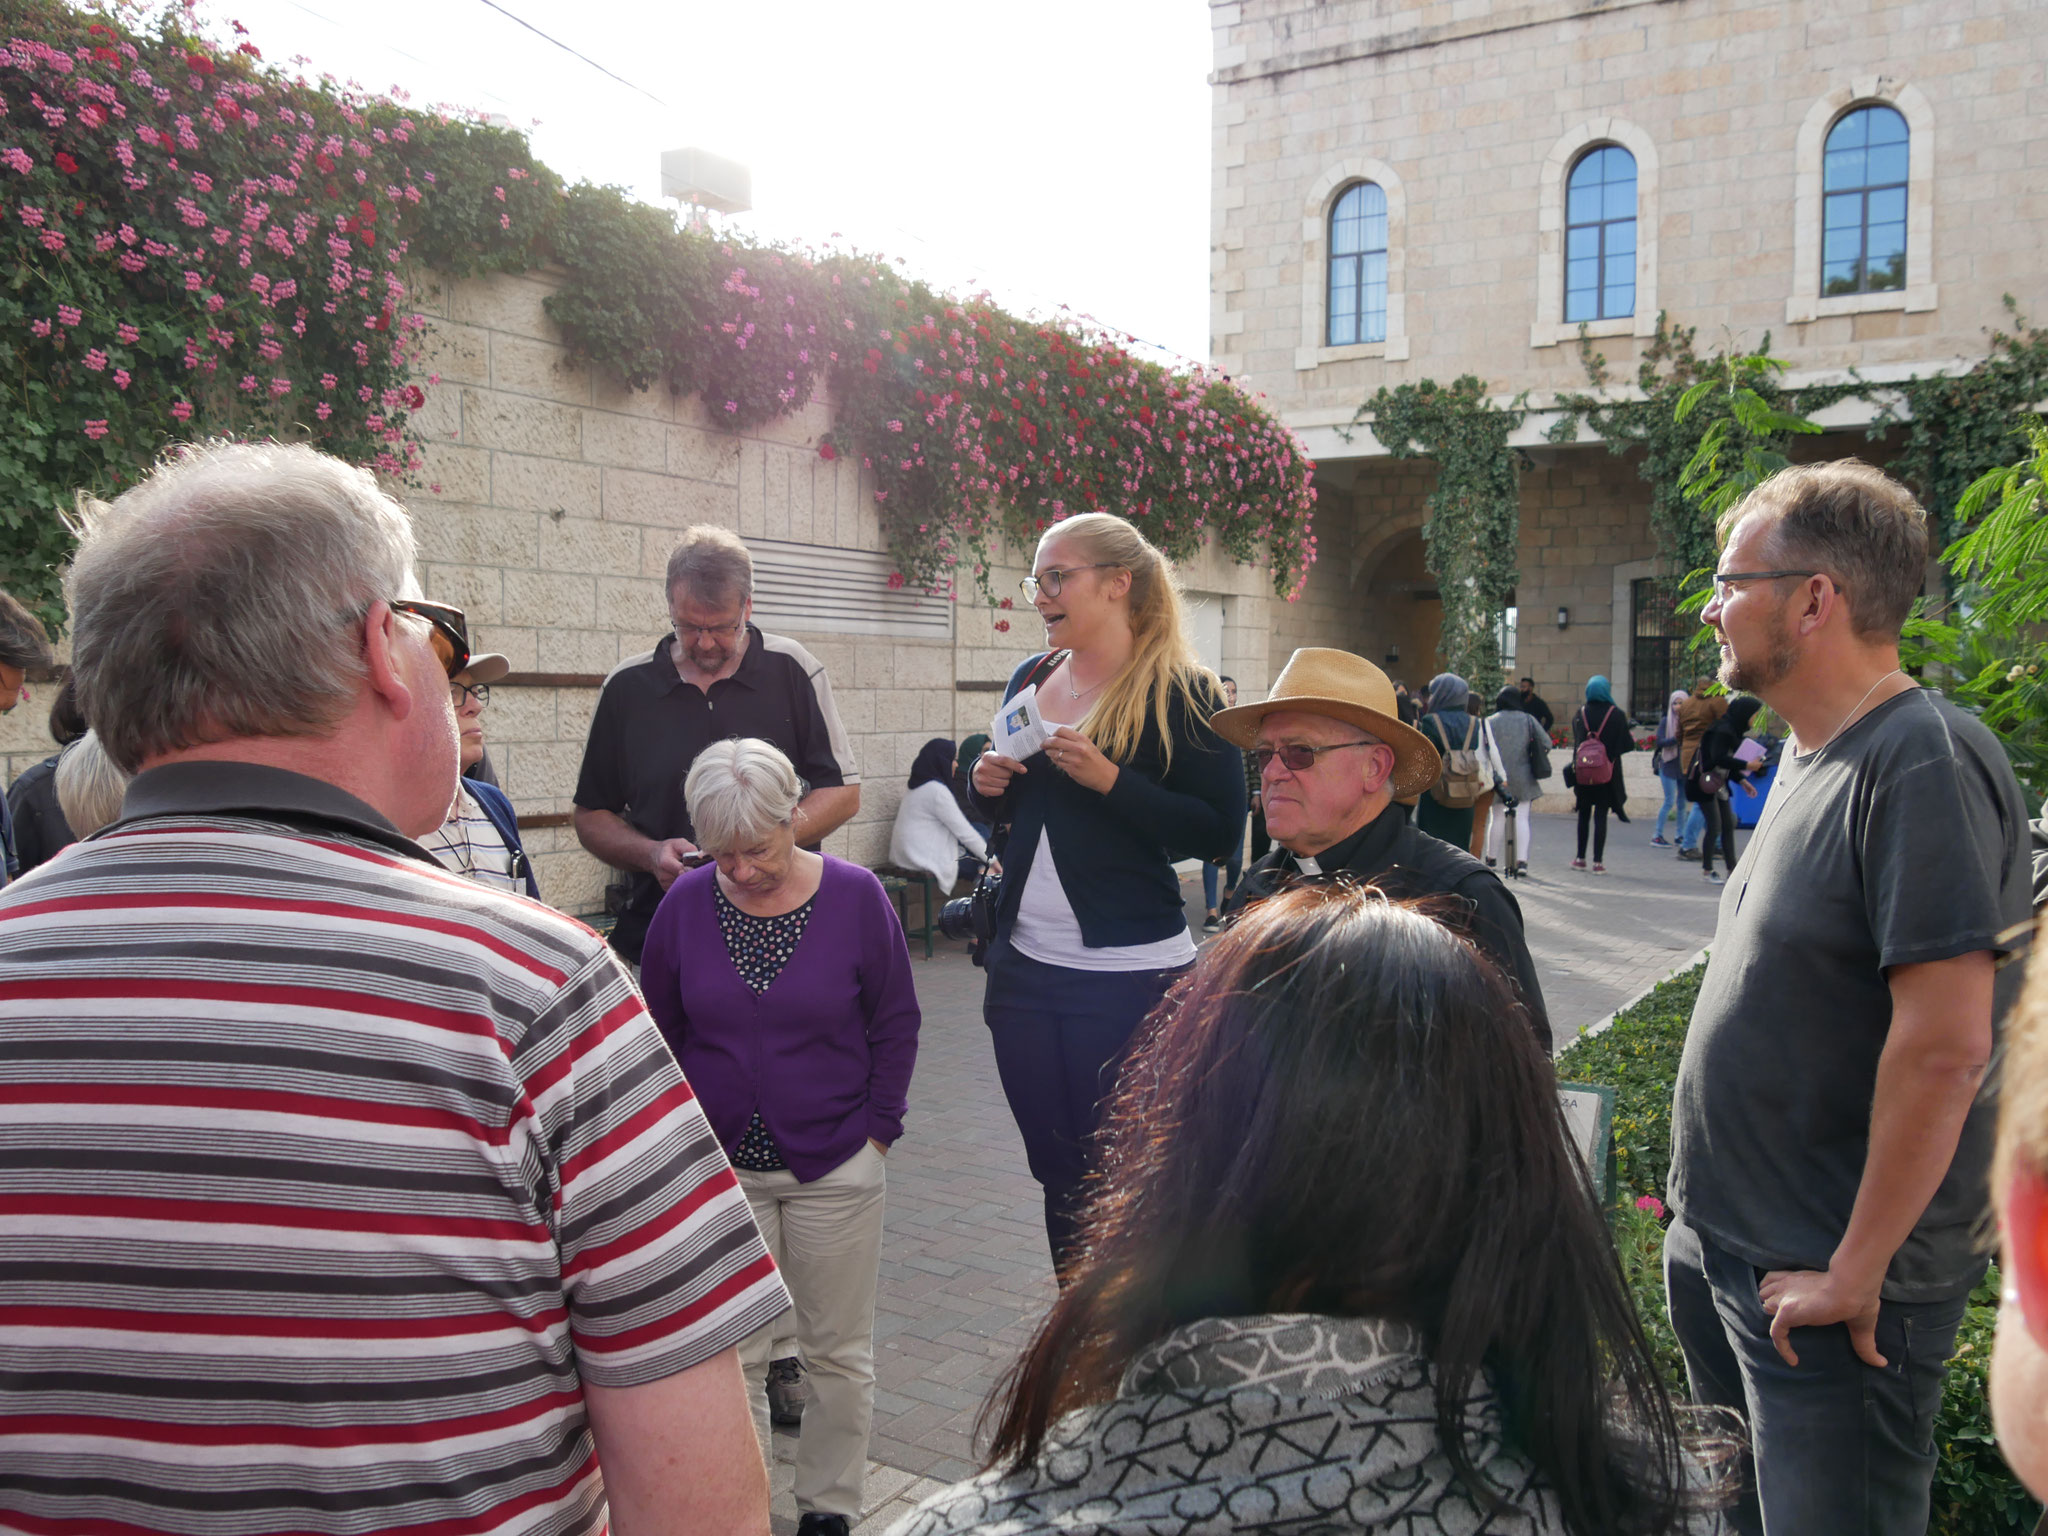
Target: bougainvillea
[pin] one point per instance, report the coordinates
(192, 241)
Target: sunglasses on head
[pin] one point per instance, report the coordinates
(450, 633)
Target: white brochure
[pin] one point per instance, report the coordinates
(1019, 729)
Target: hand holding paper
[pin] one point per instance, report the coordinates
(1019, 729)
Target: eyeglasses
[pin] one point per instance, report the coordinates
(1050, 581)
(710, 631)
(1297, 758)
(450, 635)
(1723, 580)
(461, 693)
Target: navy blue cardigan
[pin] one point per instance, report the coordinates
(1115, 852)
(492, 801)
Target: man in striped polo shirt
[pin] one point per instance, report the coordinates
(337, 1193)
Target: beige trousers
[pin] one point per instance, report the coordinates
(827, 1240)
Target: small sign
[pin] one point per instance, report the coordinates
(1589, 1123)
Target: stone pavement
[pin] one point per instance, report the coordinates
(965, 1274)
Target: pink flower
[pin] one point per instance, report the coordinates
(182, 410)
(1651, 1204)
(96, 429)
(323, 410)
(69, 314)
(126, 334)
(121, 377)
(40, 327)
(96, 360)
(327, 381)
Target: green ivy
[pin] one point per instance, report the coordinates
(1472, 536)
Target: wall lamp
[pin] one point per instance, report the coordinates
(1393, 655)
(1564, 617)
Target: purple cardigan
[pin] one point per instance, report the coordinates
(825, 1053)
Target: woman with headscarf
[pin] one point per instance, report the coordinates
(1669, 773)
(1601, 719)
(1449, 725)
(1716, 755)
(932, 832)
(1516, 735)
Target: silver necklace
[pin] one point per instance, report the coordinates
(1071, 689)
(1850, 718)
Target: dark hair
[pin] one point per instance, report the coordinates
(934, 761)
(1862, 529)
(67, 720)
(1343, 1110)
(24, 643)
(1530, 681)
(1509, 698)
(1225, 678)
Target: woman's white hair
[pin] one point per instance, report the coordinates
(738, 791)
(89, 786)
(224, 595)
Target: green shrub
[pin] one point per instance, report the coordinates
(1975, 1492)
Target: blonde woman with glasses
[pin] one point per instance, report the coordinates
(1090, 927)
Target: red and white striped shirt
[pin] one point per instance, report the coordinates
(327, 1177)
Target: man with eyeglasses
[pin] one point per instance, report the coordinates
(391, 1198)
(480, 837)
(1333, 756)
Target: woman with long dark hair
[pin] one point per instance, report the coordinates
(1716, 755)
(1090, 927)
(1343, 1270)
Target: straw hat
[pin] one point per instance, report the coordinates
(1348, 688)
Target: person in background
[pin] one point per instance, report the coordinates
(1259, 1339)
(1332, 757)
(1829, 1135)
(480, 836)
(1695, 715)
(40, 831)
(1489, 761)
(1600, 717)
(1212, 920)
(24, 648)
(782, 981)
(89, 786)
(1669, 774)
(2019, 1194)
(341, 1093)
(932, 834)
(1534, 707)
(1447, 724)
(1517, 737)
(1716, 754)
(1405, 707)
(1091, 928)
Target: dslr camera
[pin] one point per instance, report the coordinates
(973, 916)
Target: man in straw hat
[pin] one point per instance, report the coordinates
(1333, 756)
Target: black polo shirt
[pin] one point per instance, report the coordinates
(651, 724)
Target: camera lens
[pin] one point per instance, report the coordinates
(956, 918)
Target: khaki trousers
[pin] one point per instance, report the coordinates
(827, 1240)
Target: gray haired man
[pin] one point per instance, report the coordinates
(389, 1196)
(24, 647)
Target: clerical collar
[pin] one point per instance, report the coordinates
(1306, 864)
(1338, 855)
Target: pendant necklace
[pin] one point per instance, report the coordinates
(1850, 718)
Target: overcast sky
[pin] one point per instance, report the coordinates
(1053, 153)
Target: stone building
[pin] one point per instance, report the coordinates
(1425, 190)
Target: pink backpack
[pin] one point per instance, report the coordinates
(1590, 762)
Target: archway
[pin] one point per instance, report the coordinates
(1401, 613)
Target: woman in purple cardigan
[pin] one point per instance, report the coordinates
(782, 982)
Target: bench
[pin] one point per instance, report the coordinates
(899, 883)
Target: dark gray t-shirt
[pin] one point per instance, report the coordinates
(1903, 841)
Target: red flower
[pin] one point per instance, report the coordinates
(367, 209)
(826, 451)
(895, 581)
(199, 63)
(1002, 626)
(415, 397)
(66, 164)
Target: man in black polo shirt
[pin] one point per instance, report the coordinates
(717, 676)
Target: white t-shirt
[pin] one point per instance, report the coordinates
(1046, 929)
(468, 843)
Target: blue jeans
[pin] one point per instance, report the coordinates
(1838, 1446)
(1209, 875)
(1673, 806)
(1695, 824)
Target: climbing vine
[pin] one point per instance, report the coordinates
(1473, 530)
(194, 242)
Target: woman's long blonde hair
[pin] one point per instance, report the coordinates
(1162, 662)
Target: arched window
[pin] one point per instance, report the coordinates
(1863, 185)
(1358, 266)
(1600, 236)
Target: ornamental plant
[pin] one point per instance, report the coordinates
(190, 241)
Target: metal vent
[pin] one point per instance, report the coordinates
(802, 588)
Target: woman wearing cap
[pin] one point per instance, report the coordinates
(480, 838)
(1333, 756)
(1090, 928)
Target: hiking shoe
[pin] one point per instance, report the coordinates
(1578, 863)
(811, 1523)
(788, 1394)
(1660, 842)
(1689, 853)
